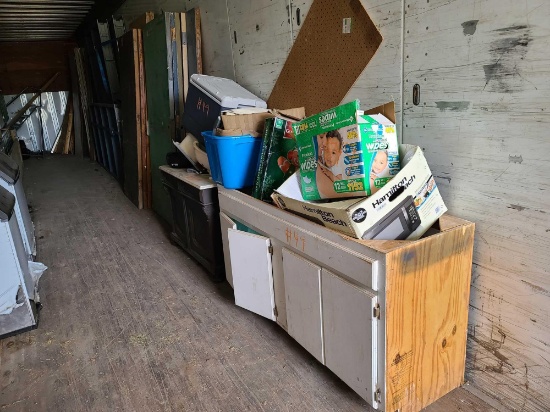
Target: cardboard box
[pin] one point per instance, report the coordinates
(278, 158)
(365, 159)
(345, 152)
(405, 208)
(253, 119)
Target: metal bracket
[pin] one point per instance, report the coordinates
(378, 395)
(376, 311)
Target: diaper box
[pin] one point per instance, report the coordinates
(344, 152)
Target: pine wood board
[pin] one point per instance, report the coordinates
(427, 301)
(145, 156)
(69, 134)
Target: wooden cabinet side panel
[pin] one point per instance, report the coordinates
(427, 295)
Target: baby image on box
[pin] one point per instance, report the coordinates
(378, 169)
(329, 162)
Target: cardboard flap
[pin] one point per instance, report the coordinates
(297, 114)
(387, 109)
(253, 119)
(248, 122)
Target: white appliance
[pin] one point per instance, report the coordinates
(10, 180)
(18, 294)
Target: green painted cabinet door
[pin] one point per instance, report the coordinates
(161, 127)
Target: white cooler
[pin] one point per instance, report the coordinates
(208, 96)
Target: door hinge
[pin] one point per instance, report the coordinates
(275, 311)
(378, 396)
(270, 249)
(376, 311)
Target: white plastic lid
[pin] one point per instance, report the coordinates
(226, 92)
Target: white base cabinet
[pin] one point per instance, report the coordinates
(389, 318)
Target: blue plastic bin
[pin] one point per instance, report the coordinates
(233, 159)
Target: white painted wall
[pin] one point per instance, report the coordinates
(483, 69)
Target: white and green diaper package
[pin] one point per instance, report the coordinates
(345, 153)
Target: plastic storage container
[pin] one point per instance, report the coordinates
(208, 96)
(233, 159)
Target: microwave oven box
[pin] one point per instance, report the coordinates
(405, 208)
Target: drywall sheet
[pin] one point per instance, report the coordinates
(335, 44)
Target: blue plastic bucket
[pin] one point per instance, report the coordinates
(233, 159)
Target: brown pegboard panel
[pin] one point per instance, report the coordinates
(324, 62)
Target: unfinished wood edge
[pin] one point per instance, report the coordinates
(137, 85)
(184, 57)
(450, 223)
(179, 57)
(415, 376)
(145, 199)
(198, 37)
(69, 134)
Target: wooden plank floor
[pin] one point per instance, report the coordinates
(131, 323)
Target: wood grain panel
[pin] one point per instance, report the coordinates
(426, 318)
(31, 64)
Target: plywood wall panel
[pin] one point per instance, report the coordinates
(31, 64)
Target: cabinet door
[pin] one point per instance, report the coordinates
(226, 223)
(350, 334)
(303, 303)
(180, 217)
(159, 117)
(252, 272)
(203, 234)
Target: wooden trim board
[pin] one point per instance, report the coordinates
(144, 141)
